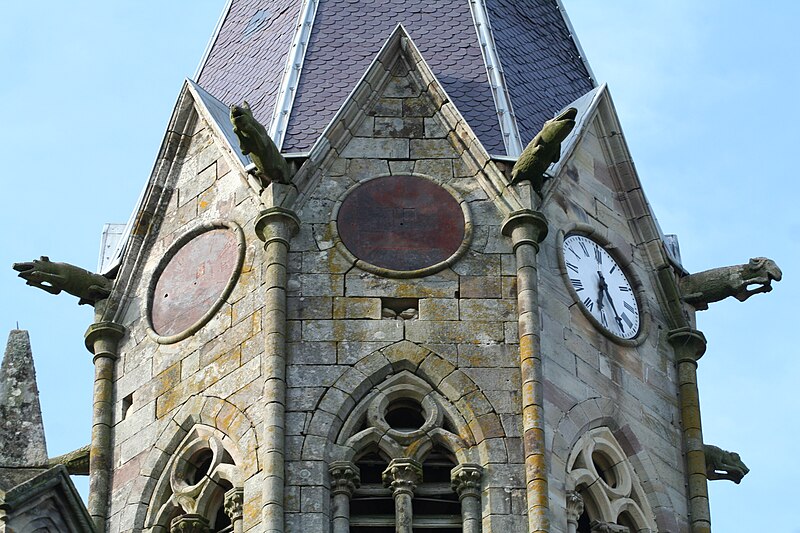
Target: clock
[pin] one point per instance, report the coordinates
(603, 290)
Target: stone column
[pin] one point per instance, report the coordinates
(402, 476)
(102, 339)
(574, 510)
(466, 482)
(275, 226)
(690, 345)
(189, 523)
(345, 479)
(234, 508)
(527, 228)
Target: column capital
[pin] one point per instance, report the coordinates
(525, 227)
(402, 476)
(689, 344)
(234, 503)
(345, 478)
(465, 480)
(276, 223)
(103, 331)
(574, 506)
(189, 523)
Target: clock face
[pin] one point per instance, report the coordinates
(602, 287)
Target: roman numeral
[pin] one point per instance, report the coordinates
(578, 284)
(627, 320)
(603, 318)
(624, 288)
(612, 269)
(629, 307)
(572, 267)
(598, 255)
(588, 303)
(585, 250)
(573, 251)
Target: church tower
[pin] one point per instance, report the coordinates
(413, 284)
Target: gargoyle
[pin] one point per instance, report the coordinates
(57, 277)
(722, 464)
(255, 142)
(719, 283)
(543, 150)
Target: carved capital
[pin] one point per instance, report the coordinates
(525, 227)
(689, 344)
(466, 480)
(345, 478)
(574, 506)
(402, 476)
(234, 504)
(276, 224)
(101, 339)
(189, 523)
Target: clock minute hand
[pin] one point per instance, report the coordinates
(613, 308)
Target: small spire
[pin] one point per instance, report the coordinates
(22, 441)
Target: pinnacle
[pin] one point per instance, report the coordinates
(22, 441)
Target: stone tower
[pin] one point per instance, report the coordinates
(377, 312)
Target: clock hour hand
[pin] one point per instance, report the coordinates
(604, 288)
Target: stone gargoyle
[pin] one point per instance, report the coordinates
(722, 464)
(543, 150)
(256, 142)
(56, 277)
(739, 281)
(597, 526)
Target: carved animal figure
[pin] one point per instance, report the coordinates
(607, 527)
(719, 283)
(543, 150)
(255, 142)
(57, 277)
(722, 464)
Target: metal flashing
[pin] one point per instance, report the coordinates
(577, 42)
(585, 105)
(291, 74)
(497, 79)
(220, 119)
(110, 240)
(214, 37)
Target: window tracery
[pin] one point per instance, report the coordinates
(606, 495)
(200, 491)
(400, 466)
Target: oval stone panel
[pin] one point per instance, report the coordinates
(193, 281)
(401, 223)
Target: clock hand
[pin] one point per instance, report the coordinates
(600, 286)
(613, 308)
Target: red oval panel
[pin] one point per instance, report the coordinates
(401, 223)
(193, 281)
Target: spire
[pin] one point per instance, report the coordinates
(21, 430)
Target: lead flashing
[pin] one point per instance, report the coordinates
(497, 79)
(574, 37)
(291, 74)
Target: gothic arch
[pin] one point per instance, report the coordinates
(213, 417)
(461, 397)
(594, 413)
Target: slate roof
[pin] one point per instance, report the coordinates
(543, 69)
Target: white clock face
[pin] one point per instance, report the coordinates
(602, 287)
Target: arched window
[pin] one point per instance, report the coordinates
(607, 496)
(402, 466)
(200, 490)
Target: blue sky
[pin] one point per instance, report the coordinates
(705, 93)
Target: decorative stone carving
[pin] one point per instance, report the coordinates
(345, 478)
(466, 480)
(234, 503)
(76, 461)
(716, 284)
(189, 523)
(607, 527)
(402, 476)
(256, 142)
(56, 277)
(722, 464)
(574, 506)
(543, 150)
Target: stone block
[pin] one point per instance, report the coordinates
(355, 307)
(454, 332)
(320, 284)
(482, 309)
(311, 353)
(480, 287)
(441, 169)
(398, 127)
(434, 128)
(350, 352)
(387, 107)
(432, 149)
(488, 355)
(438, 309)
(352, 330)
(361, 169)
(443, 284)
(377, 148)
(309, 307)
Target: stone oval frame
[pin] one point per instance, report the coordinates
(403, 274)
(636, 283)
(170, 254)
